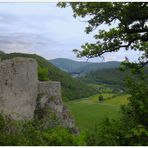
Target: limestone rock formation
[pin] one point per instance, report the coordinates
(18, 87)
(49, 102)
(23, 97)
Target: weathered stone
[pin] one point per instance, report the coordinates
(50, 88)
(23, 97)
(50, 99)
(18, 87)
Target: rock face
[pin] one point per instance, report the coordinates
(23, 97)
(49, 102)
(18, 87)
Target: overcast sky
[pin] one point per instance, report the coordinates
(47, 30)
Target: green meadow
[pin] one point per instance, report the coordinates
(88, 112)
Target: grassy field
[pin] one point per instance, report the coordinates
(88, 111)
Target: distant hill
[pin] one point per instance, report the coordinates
(1, 52)
(75, 67)
(72, 88)
(112, 77)
(67, 64)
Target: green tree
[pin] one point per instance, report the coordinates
(127, 28)
(127, 24)
(132, 127)
(101, 98)
(31, 133)
(135, 114)
(106, 133)
(43, 73)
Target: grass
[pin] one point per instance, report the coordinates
(118, 100)
(88, 111)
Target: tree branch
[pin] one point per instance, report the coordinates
(143, 64)
(129, 31)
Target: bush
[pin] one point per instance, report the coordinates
(43, 73)
(132, 129)
(101, 98)
(107, 133)
(30, 133)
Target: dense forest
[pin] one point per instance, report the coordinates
(81, 68)
(112, 77)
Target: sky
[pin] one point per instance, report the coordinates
(46, 30)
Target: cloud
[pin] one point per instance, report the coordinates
(121, 54)
(44, 29)
(23, 42)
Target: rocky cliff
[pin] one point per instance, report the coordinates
(23, 97)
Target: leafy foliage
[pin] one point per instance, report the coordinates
(43, 73)
(132, 128)
(107, 133)
(30, 133)
(101, 98)
(127, 26)
(136, 112)
(129, 32)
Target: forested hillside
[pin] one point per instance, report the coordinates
(1, 52)
(113, 77)
(68, 64)
(72, 88)
(75, 67)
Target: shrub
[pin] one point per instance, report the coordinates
(43, 73)
(101, 98)
(107, 133)
(31, 133)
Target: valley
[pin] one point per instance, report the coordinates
(81, 94)
(94, 99)
(74, 73)
(77, 68)
(89, 112)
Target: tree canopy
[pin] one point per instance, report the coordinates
(127, 27)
